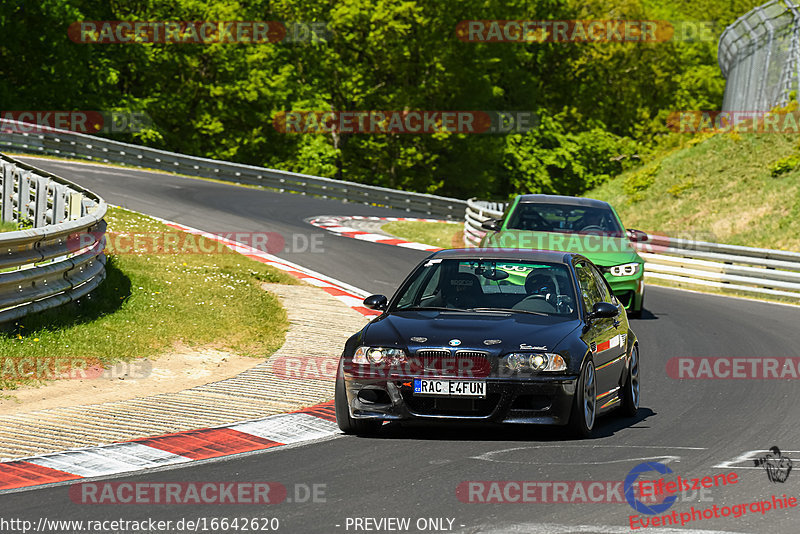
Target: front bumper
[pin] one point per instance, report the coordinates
(543, 400)
(628, 289)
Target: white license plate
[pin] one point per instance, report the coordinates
(450, 388)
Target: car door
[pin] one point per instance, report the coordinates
(602, 333)
(615, 365)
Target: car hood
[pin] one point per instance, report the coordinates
(601, 250)
(432, 328)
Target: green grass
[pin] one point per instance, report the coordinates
(718, 188)
(444, 235)
(149, 303)
(8, 226)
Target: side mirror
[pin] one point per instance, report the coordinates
(493, 225)
(603, 310)
(637, 236)
(376, 302)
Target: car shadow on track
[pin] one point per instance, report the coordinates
(607, 426)
(647, 315)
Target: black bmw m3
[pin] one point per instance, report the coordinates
(505, 336)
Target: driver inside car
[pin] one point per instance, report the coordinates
(542, 292)
(591, 220)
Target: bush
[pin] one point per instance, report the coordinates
(555, 159)
(784, 165)
(640, 181)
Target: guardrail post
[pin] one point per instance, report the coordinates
(58, 203)
(40, 210)
(24, 198)
(8, 190)
(75, 206)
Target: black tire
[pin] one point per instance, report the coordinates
(631, 391)
(637, 313)
(584, 403)
(348, 425)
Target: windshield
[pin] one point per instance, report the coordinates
(523, 287)
(564, 218)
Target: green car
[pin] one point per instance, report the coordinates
(582, 225)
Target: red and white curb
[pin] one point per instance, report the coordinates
(147, 453)
(349, 295)
(308, 424)
(336, 225)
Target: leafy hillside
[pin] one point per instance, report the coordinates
(601, 105)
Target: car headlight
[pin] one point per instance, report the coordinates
(535, 362)
(378, 355)
(515, 362)
(626, 269)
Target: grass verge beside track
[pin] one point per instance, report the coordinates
(737, 188)
(151, 302)
(437, 234)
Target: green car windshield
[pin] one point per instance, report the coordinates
(564, 218)
(535, 288)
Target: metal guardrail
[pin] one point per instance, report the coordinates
(476, 212)
(758, 271)
(17, 137)
(60, 259)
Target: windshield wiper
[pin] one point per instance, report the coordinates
(435, 308)
(510, 310)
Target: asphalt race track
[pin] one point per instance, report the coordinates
(693, 425)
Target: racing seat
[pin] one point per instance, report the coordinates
(531, 220)
(463, 290)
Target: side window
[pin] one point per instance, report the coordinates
(588, 286)
(602, 286)
(432, 286)
(504, 217)
(412, 295)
